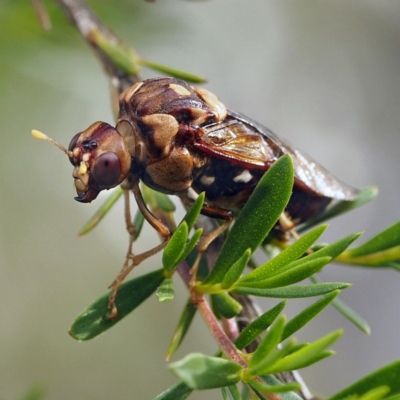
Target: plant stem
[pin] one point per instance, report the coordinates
(86, 21)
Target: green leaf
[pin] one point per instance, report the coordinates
(286, 292)
(395, 397)
(199, 371)
(231, 393)
(308, 314)
(385, 376)
(176, 73)
(352, 316)
(163, 202)
(382, 258)
(334, 249)
(257, 218)
(347, 312)
(138, 222)
(194, 211)
(258, 326)
(179, 391)
(292, 253)
(94, 321)
(386, 239)
(381, 250)
(165, 291)
(190, 245)
(377, 393)
(270, 360)
(292, 275)
(268, 343)
(264, 388)
(319, 357)
(271, 380)
(175, 247)
(304, 355)
(364, 196)
(236, 270)
(247, 392)
(226, 305)
(393, 265)
(183, 325)
(102, 211)
(122, 55)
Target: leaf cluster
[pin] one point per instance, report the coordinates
(279, 277)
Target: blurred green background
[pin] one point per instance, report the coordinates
(325, 75)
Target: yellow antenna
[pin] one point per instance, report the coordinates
(40, 135)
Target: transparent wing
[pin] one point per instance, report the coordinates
(308, 172)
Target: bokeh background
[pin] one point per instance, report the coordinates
(325, 75)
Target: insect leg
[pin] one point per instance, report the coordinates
(288, 225)
(132, 260)
(214, 212)
(129, 255)
(205, 241)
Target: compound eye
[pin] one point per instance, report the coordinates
(72, 145)
(107, 170)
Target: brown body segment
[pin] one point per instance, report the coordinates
(178, 137)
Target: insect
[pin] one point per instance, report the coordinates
(178, 139)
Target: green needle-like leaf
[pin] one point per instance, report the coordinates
(352, 316)
(347, 312)
(175, 247)
(268, 343)
(94, 321)
(293, 275)
(183, 325)
(386, 239)
(226, 305)
(179, 391)
(395, 397)
(176, 73)
(236, 270)
(102, 211)
(304, 355)
(334, 249)
(264, 388)
(163, 202)
(271, 380)
(270, 360)
(286, 292)
(312, 360)
(231, 393)
(257, 217)
(384, 258)
(190, 245)
(258, 326)
(382, 250)
(378, 393)
(199, 371)
(194, 211)
(308, 314)
(385, 376)
(331, 250)
(122, 55)
(138, 222)
(292, 253)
